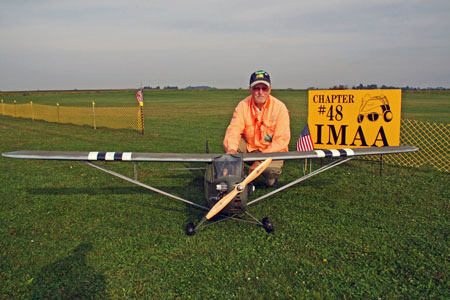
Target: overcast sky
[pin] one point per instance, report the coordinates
(89, 44)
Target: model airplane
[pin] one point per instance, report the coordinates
(226, 186)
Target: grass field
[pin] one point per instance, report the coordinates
(432, 106)
(68, 231)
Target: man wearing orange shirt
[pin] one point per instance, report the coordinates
(260, 123)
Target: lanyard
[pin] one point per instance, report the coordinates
(258, 115)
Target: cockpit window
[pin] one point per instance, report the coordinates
(228, 165)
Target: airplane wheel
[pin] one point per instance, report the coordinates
(190, 229)
(268, 225)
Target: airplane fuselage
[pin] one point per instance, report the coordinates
(221, 176)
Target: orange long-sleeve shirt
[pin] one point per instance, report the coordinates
(266, 130)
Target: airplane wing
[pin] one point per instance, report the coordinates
(201, 158)
(330, 153)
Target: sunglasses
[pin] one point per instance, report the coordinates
(260, 88)
(373, 116)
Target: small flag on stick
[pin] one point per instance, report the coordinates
(305, 142)
(140, 100)
(140, 96)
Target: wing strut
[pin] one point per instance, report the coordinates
(320, 170)
(145, 186)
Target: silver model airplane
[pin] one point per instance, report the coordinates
(226, 186)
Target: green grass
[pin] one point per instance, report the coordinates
(432, 106)
(69, 231)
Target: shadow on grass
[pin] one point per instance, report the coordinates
(70, 278)
(88, 191)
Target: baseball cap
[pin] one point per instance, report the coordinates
(260, 77)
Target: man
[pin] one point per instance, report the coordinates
(260, 123)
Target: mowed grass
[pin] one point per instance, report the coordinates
(432, 106)
(69, 231)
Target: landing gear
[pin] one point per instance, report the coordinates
(190, 229)
(267, 224)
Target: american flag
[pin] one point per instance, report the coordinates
(305, 142)
(139, 96)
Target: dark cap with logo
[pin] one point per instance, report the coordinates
(260, 77)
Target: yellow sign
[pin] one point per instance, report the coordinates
(354, 118)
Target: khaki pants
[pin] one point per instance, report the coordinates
(273, 170)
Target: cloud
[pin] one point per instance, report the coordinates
(54, 44)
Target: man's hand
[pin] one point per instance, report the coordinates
(254, 166)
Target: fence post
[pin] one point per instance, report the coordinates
(32, 113)
(93, 114)
(141, 109)
(15, 109)
(57, 110)
(3, 109)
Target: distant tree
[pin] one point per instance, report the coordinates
(339, 87)
(200, 87)
(406, 88)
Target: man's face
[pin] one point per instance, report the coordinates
(260, 93)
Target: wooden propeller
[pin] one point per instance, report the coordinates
(239, 188)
